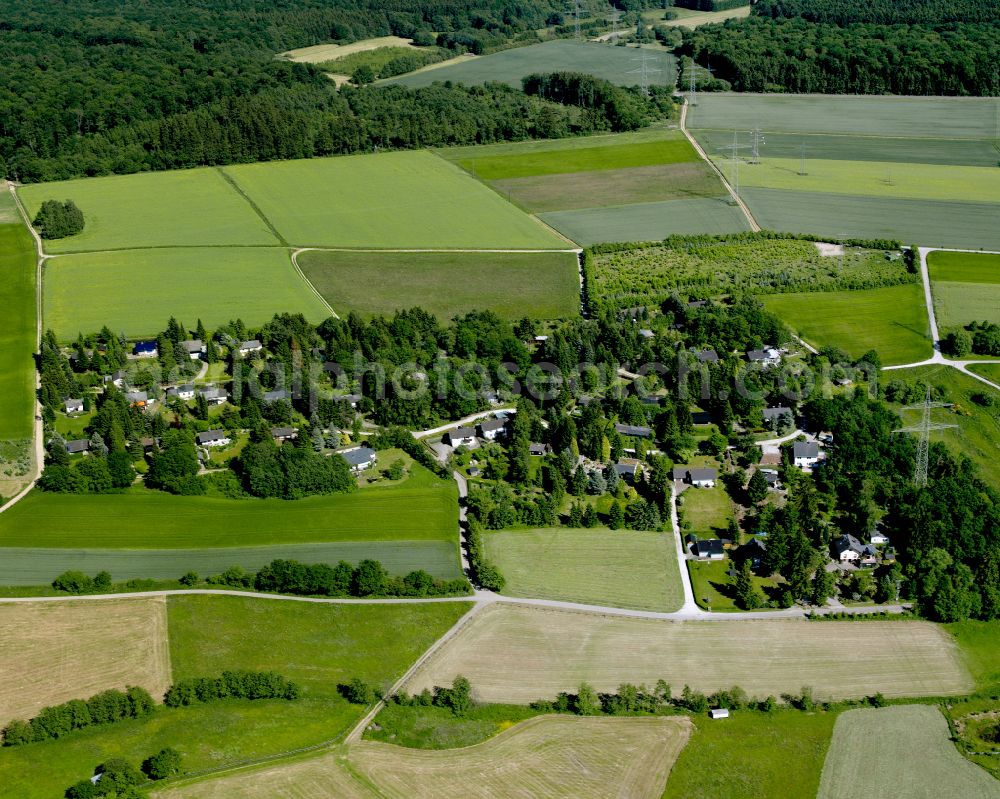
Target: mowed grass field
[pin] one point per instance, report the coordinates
(136, 291)
(899, 751)
(551, 756)
(776, 754)
(385, 201)
(977, 434)
(53, 652)
(17, 333)
(620, 568)
(991, 371)
(615, 64)
(875, 115)
(518, 653)
(514, 285)
(966, 287)
(417, 518)
(317, 646)
(185, 208)
(892, 321)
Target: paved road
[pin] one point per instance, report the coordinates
(690, 606)
(482, 415)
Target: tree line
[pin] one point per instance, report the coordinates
(882, 12)
(232, 685)
(106, 707)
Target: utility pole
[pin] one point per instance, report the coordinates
(735, 147)
(924, 431)
(758, 140)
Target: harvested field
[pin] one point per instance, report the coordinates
(871, 115)
(549, 756)
(898, 751)
(540, 285)
(647, 221)
(319, 53)
(517, 653)
(622, 568)
(54, 652)
(615, 64)
(610, 187)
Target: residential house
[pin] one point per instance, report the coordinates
(634, 431)
(847, 549)
(284, 433)
(707, 356)
(538, 450)
(772, 478)
(754, 551)
(181, 392)
(697, 303)
(878, 537)
(276, 395)
(116, 378)
(213, 438)
(645, 333)
(350, 399)
(213, 395)
(474, 471)
(148, 443)
(709, 549)
(806, 454)
(492, 429)
(195, 348)
(78, 445)
(251, 347)
(73, 406)
(460, 436)
(771, 456)
(703, 478)
(680, 473)
(869, 556)
(138, 399)
(768, 356)
(627, 469)
(701, 418)
(359, 458)
(145, 349)
(774, 417)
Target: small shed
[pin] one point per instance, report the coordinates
(719, 713)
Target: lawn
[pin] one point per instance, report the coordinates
(978, 431)
(17, 335)
(616, 64)
(672, 148)
(137, 291)
(892, 321)
(184, 208)
(647, 221)
(966, 287)
(597, 567)
(710, 580)
(519, 653)
(924, 222)
(318, 646)
(874, 115)
(514, 285)
(558, 757)
(51, 653)
(753, 755)
(707, 510)
(899, 751)
(611, 187)
(974, 184)
(991, 371)
(979, 642)
(385, 201)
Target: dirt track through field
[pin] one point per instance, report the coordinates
(516, 653)
(54, 652)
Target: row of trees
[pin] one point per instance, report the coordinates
(232, 685)
(883, 12)
(106, 707)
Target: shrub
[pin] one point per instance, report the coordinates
(232, 685)
(163, 764)
(358, 692)
(73, 582)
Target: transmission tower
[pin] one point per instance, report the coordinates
(758, 140)
(576, 13)
(644, 70)
(693, 91)
(924, 431)
(735, 147)
(613, 18)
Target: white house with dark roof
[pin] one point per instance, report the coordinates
(73, 406)
(847, 549)
(194, 348)
(284, 433)
(492, 429)
(213, 395)
(707, 356)
(806, 454)
(78, 445)
(276, 395)
(359, 458)
(460, 436)
(181, 392)
(627, 469)
(348, 399)
(709, 549)
(703, 478)
(213, 438)
(538, 450)
(634, 431)
(769, 356)
(775, 416)
(250, 347)
(145, 349)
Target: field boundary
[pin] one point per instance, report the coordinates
(229, 179)
(308, 282)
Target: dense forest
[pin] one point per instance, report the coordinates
(795, 55)
(881, 12)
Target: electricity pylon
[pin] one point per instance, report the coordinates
(923, 430)
(735, 147)
(644, 71)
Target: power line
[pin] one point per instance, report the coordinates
(758, 140)
(924, 431)
(735, 147)
(645, 70)
(576, 12)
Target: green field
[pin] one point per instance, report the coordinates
(611, 187)
(597, 567)
(753, 755)
(973, 184)
(137, 291)
(875, 115)
(899, 751)
(23, 566)
(189, 208)
(514, 285)
(428, 727)
(315, 645)
(991, 371)
(892, 321)
(978, 431)
(17, 334)
(647, 221)
(391, 200)
(673, 148)
(847, 147)
(966, 287)
(615, 64)
(708, 510)
(979, 643)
